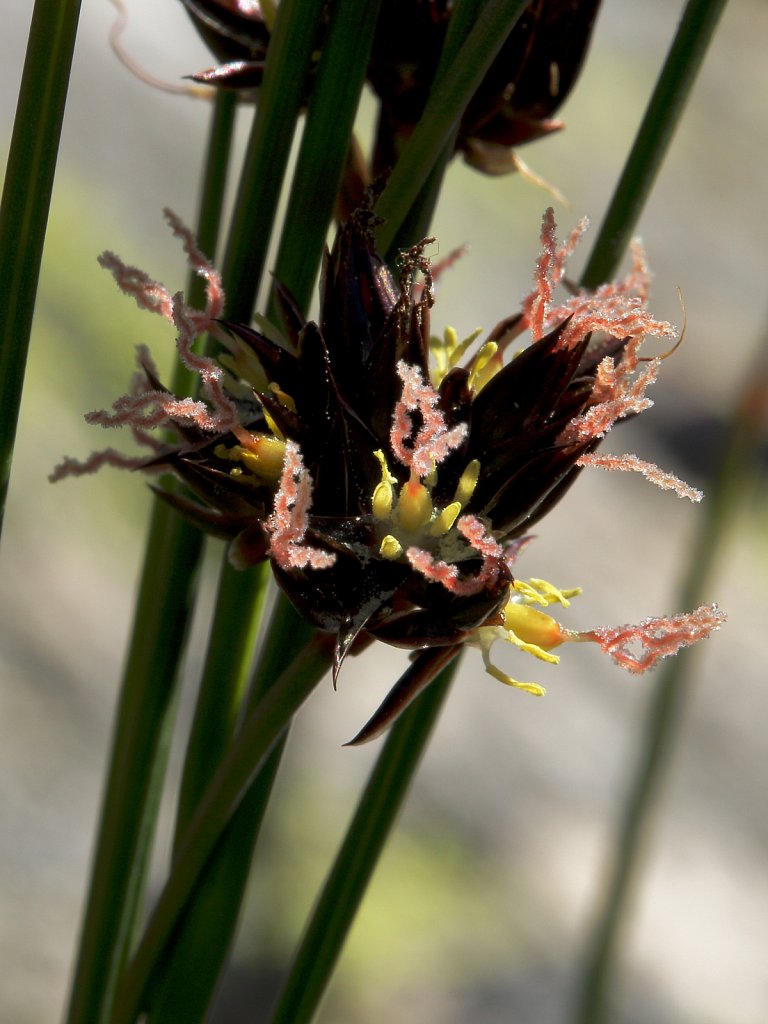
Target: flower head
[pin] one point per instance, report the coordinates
(528, 81)
(391, 477)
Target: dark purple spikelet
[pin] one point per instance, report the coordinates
(391, 476)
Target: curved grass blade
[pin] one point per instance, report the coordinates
(324, 145)
(359, 853)
(26, 201)
(204, 933)
(664, 110)
(285, 73)
(653, 138)
(145, 712)
(241, 764)
(670, 695)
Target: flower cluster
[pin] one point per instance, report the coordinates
(531, 77)
(391, 476)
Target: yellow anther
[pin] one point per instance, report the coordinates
(390, 547)
(442, 349)
(534, 688)
(283, 397)
(484, 366)
(553, 594)
(386, 476)
(529, 593)
(414, 508)
(272, 425)
(532, 631)
(467, 483)
(383, 493)
(444, 520)
(263, 457)
(536, 591)
(448, 350)
(383, 496)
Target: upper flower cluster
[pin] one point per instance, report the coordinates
(392, 476)
(528, 81)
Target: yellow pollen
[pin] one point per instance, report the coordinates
(382, 500)
(536, 591)
(263, 456)
(414, 509)
(526, 627)
(283, 397)
(467, 483)
(383, 494)
(444, 520)
(390, 547)
(448, 350)
(484, 366)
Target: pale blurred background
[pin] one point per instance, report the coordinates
(482, 901)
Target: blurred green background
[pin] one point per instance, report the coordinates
(483, 899)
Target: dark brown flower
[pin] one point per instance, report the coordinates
(526, 84)
(391, 476)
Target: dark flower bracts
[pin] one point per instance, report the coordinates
(391, 476)
(531, 77)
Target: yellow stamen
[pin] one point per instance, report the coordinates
(382, 500)
(390, 547)
(263, 456)
(283, 397)
(492, 670)
(484, 366)
(553, 594)
(536, 591)
(448, 350)
(383, 494)
(467, 483)
(444, 520)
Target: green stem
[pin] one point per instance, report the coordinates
(209, 922)
(204, 933)
(359, 853)
(232, 641)
(325, 143)
(653, 138)
(447, 102)
(137, 763)
(285, 75)
(26, 201)
(145, 710)
(241, 764)
(415, 225)
(668, 701)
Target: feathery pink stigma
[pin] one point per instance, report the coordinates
(146, 408)
(108, 457)
(201, 265)
(288, 522)
(149, 294)
(631, 463)
(550, 268)
(433, 440)
(435, 569)
(621, 397)
(658, 637)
